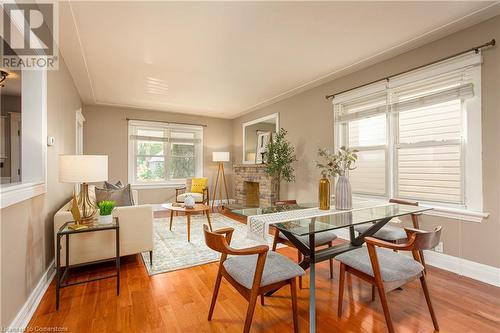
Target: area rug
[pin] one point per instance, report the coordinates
(172, 251)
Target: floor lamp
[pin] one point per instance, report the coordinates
(220, 157)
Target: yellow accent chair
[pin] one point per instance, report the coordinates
(197, 188)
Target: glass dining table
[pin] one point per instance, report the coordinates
(294, 225)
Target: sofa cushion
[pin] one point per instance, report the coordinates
(198, 185)
(110, 186)
(121, 197)
(277, 268)
(198, 197)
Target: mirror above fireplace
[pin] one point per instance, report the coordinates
(256, 135)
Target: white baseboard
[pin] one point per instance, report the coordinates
(464, 267)
(459, 266)
(24, 315)
(224, 201)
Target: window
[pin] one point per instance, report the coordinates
(418, 134)
(164, 154)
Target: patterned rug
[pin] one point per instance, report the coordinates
(172, 251)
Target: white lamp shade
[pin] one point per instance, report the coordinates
(220, 156)
(83, 168)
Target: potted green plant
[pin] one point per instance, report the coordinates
(280, 155)
(105, 210)
(338, 165)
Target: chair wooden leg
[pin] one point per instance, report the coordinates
(423, 282)
(250, 311)
(295, 315)
(330, 244)
(262, 300)
(385, 307)
(299, 259)
(341, 289)
(275, 240)
(373, 292)
(422, 260)
(214, 296)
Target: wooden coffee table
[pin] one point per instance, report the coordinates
(188, 212)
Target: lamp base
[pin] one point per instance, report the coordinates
(88, 208)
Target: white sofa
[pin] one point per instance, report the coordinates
(136, 234)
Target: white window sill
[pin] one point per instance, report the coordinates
(461, 214)
(157, 185)
(457, 213)
(15, 193)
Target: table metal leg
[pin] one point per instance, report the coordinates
(312, 298)
(117, 261)
(58, 270)
(312, 280)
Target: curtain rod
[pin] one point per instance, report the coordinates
(166, 122)
(475, 49)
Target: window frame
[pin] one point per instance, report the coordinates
(167, 128)
(470, 144)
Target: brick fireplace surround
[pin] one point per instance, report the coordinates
(254, 173)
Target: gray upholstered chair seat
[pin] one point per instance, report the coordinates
(321, 238)
(394, 266)
(277, 268)
(387, 232)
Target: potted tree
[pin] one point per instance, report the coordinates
(280, 159)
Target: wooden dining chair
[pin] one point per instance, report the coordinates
(388, 270)
(395, 234)
(252, 271)
(321, 239)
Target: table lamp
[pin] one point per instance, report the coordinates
(84, 169)
(220, 157)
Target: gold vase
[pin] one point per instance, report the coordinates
(324, 193)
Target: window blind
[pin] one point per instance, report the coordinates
(411, 132)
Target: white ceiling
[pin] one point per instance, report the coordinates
(223, 59)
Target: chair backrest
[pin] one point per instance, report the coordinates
(218, 241)
(285, 202)
(403, 202)
(424, 240)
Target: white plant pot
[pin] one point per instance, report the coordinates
(105, 219)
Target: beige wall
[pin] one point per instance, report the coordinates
(27, 228)
(309, 121)
(106, 129)
(8, 103)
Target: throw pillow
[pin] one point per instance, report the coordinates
(198, 184)
(110, 186)
(121, 196)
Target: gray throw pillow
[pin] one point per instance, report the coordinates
(121, 196)
(110, 186)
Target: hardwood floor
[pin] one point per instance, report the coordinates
(179, 302)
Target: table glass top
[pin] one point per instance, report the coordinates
(272, 209)
(92, 226)
(337, 220)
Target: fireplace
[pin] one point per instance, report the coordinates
(253, 186)
(252, 194)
